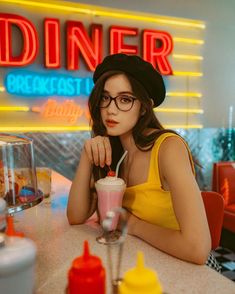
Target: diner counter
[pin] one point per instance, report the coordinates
(58, 243)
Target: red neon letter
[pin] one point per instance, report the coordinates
(79, 41)
(30, 40)
(157, 55)
(52, 42)
(117, 35)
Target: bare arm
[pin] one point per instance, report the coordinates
(192, 242)
(82, 196)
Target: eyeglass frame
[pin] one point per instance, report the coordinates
(114, 99)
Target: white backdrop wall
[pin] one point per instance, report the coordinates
(218, 82)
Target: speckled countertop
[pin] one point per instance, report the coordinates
(58, 244)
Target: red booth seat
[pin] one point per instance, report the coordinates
(223, 182)
(214, 207)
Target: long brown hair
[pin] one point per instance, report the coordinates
(144, 141)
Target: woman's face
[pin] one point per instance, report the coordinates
(116, 121)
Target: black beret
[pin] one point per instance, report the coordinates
(139, 69)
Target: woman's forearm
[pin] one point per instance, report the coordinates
(173, 242)
(79, 203)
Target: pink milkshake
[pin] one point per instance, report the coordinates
(110, 191)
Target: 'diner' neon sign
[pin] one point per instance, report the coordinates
(157, 45)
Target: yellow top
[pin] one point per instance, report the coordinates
(149, 201)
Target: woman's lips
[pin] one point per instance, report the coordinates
(111, 123)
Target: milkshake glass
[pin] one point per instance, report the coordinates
(110, 191)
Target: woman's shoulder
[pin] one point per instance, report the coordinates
(170, 144)
(174, 150)
(173, 143)
(168, 138)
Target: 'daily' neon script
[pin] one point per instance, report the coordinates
(27, 83)
(67, 110)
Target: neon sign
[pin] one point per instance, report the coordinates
(67, 110)
(78, 42)
(52, 36)
(26, 83)
(30, 40)
(157, 45)
(117, 34)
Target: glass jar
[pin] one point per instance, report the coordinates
(18, 181)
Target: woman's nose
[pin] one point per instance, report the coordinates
(112, 108)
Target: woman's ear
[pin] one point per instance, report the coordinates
(152, 102)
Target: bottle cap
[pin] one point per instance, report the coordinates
(140, 280)
(87, 275)
(10, 230)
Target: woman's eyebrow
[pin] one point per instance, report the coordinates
(122, 92)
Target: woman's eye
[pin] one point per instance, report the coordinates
(126, 99)
(104, 98)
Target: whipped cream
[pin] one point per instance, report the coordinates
(111, 181)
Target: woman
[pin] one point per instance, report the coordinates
(162, 198)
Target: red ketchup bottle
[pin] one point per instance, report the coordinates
(87, 275)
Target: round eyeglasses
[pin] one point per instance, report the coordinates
(123, 102)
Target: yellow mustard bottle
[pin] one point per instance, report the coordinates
(140, 279)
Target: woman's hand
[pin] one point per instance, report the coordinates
(98, 150)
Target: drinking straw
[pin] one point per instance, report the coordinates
(119, 162)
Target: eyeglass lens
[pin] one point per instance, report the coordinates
(123, 102)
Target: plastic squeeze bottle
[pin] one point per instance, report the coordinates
(140, 280)
(17, 260)
(87, 275)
